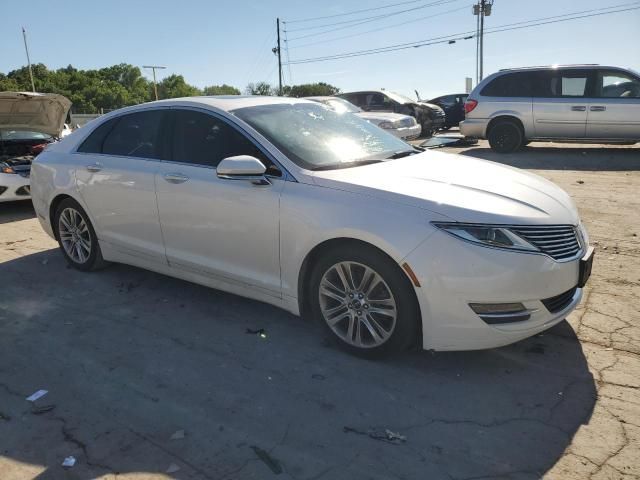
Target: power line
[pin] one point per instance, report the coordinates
(353, 12)
(381, 28)
(469, 34)
(373, 17)
(370, 19)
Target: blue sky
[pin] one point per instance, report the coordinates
(214, 42)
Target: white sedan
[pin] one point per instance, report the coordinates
(325, 215)
(402, 126)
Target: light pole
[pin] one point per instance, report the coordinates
(26, 49)
(153, 67)
(481, 9)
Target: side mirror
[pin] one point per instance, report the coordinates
(243, 167)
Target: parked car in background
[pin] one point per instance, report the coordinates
(402, 126)
(430, 117)
(585, 103)
(28, 122)
(453, 106)
(286, 201)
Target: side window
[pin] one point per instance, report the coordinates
(516, 84)
(353, 98)
(447, 101)
(136, 135)
(93, 143)
(614, 84)
(563, 83)
(203, 139)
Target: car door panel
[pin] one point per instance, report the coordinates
(225, 228)
(561, 103)
(614, 112)
(122, 200)
(221, 228)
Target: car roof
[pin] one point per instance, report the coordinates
(229, 102)
(569, 66)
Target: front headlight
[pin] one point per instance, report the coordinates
(386, 125)
(4, 168)
(488, 235)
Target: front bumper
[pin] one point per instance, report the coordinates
(14, 187)
(406, 133)
(453, 274)
(474, 127)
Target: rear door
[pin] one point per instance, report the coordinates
(116, 180)
(561, 101)
(614, 112)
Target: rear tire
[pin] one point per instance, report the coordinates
(76, 237)
(505, 136)
(375, 313)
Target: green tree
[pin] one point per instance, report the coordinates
(91, 91)
(261, 88)
(174, 86)
(223, 89)
(311, 90)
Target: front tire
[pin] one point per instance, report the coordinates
(364, 301)
(505, 137)
(76, 237)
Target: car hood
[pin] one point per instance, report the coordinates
(38, 112)
(377, 117)
(461, 188)
(432, 106)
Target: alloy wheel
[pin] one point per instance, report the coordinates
(74, 235)
(357, 304)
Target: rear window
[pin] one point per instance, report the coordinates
(136, 135)
(509, 85)
(93, 143)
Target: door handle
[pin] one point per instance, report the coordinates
(598, 108)
(578, 108)
(175, 178)
(95, 167)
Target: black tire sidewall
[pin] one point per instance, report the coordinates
(510, 129)
(95, 256)
(406, 330)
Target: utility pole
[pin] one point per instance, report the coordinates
(276, 51)
(481, 9)
(26, 49)
(153, 67)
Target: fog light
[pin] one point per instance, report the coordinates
(495, 313)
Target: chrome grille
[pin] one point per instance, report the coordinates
(560, 242)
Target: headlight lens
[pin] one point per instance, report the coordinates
(488, 235)
(4, 168)
(386, 125)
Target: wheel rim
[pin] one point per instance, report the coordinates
(74, 235)
(357, 304)
(505, 139)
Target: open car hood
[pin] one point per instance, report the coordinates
(38, 112)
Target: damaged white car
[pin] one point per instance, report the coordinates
(28, 123)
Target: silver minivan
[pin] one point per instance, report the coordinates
(584, 103)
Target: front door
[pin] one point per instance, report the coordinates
(614, 112)
(227, 230)
(115, 176)
(561, 103)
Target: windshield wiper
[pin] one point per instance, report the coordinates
(403, 153)
(357, 163)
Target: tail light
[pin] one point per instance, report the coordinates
(469, 105)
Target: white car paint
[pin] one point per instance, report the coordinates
(264, 234)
